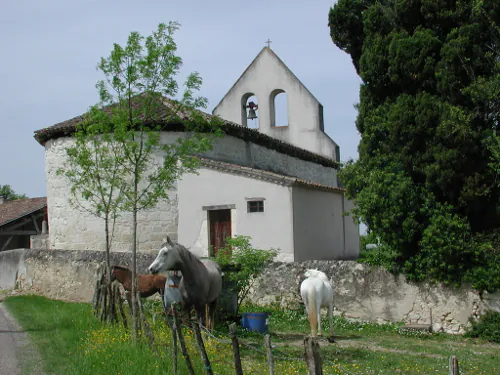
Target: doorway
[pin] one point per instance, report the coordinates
(219, 222)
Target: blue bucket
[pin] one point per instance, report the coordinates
(255, 322)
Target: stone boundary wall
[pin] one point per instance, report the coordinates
(361, 292)
(60, 274)
(371, 293)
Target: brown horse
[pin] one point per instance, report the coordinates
(147, 285)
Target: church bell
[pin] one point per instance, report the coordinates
(251, 114)
(251, 110)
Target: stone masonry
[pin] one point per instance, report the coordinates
(75, 229)
(365, 293)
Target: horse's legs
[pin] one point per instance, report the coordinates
(318, 311)
(211, 315)
(199, 314)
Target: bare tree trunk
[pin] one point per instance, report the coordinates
(108, 259)
(134, 268)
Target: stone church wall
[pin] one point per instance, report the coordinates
(235, 150)
(73, 228)
(360, 292)
(76, 229)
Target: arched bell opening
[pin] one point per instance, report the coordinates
(278, 103)
(249, 111)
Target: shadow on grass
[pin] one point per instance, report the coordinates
(301, 336)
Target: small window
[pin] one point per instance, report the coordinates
(255, 206)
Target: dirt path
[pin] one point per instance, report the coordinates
(17, 353)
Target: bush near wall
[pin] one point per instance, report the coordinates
(487, 327)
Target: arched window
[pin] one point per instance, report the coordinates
(249, 108)
(279, 108)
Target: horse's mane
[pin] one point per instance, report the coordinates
(186, 252)
(316, 273)
(121, 268)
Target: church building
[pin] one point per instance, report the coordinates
(276, 182)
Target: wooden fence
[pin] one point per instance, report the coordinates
(108, 306)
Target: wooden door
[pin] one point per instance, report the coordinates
(220, 228)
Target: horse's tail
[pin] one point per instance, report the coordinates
(311, 306)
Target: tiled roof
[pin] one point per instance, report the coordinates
(16, 209)
(263, 175)
(165, 119)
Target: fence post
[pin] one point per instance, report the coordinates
(204, 356)
(171, 325)
(312, 355)
(120, 306)
(145, 324)
(269, 354)
(454, 366)
(184, 351)
(236, 349)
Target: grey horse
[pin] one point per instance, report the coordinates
(201, 281)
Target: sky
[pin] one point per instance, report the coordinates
(51, 49)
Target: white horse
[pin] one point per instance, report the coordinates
(317, 292)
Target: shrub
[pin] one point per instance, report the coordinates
(381, 256)
(249, 262)
(487, 327)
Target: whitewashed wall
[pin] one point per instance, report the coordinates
(318, 224)
(272, 228)
(265, 75)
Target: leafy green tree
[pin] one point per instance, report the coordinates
(136, 166)
(94, 171)
(8, 193)
(423, 182)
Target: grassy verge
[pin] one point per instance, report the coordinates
(71, 341)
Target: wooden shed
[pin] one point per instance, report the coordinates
(20, 219)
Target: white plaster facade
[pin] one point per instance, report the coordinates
(320, 227)
(272, 228)
(264, 78)
(304, 223)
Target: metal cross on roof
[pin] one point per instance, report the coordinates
(268, 43)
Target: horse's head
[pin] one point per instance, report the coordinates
(167, 259)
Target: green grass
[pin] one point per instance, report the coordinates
(71, 341)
